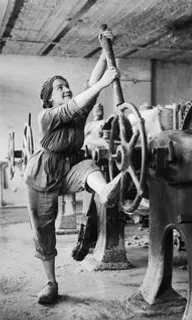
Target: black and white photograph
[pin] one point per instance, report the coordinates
(95, 159)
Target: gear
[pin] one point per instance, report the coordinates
(186, 110)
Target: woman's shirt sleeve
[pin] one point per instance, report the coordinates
(55, 117)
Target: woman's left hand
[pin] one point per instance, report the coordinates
(106, 33)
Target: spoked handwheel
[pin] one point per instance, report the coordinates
(187, 120)
(14, 157)
(11, 154)
(128, 157)
(28, 145)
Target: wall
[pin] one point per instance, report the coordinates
(21, 78)
(173, 82)
(135, 80)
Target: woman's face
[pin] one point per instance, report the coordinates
(60, 93)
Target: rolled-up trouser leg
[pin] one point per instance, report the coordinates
(42, 210)
(76, 178)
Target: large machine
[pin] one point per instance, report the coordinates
(19, 158)
(169, 180)
(162, 171)
(115, 151)
(12, 169)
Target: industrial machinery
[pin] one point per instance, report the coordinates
(114, 154)
(166, 167)
(162, 171)
(19, 158)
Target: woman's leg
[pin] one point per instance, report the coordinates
(49, 269)
(49, 293)
(42, 209)
(86, 175)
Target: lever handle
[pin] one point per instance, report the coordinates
(107, 46)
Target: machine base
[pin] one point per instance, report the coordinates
(92, 264)
(169, 303)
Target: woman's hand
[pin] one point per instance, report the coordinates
(107, 33)
(109, 76)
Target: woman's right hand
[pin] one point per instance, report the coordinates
(109, 76)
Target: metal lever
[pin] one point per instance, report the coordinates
(107, 46)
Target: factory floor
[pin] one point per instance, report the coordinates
(83, 294)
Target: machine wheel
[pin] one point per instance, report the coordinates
(129, 157)
(11, 154)
(28, 145)
(14, 156)
(187, 121)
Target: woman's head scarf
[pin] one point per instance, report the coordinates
(47, 89)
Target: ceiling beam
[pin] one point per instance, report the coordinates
(18, 5)
(68, 27)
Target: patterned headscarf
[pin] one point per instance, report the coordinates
(47, 89)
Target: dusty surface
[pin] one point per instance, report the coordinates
(83, 295)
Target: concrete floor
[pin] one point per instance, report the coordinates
(83, 295)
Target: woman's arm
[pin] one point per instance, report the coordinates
(84, 98)
(53, 118)
(98, 70)
(101, 64)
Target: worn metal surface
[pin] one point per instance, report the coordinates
(170, 189)
(109, 252)
(142, 28)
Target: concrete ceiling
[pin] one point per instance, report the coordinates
(154, 29)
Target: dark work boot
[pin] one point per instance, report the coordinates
(82, 247)
(87, 234)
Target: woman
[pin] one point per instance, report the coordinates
(55, 168)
